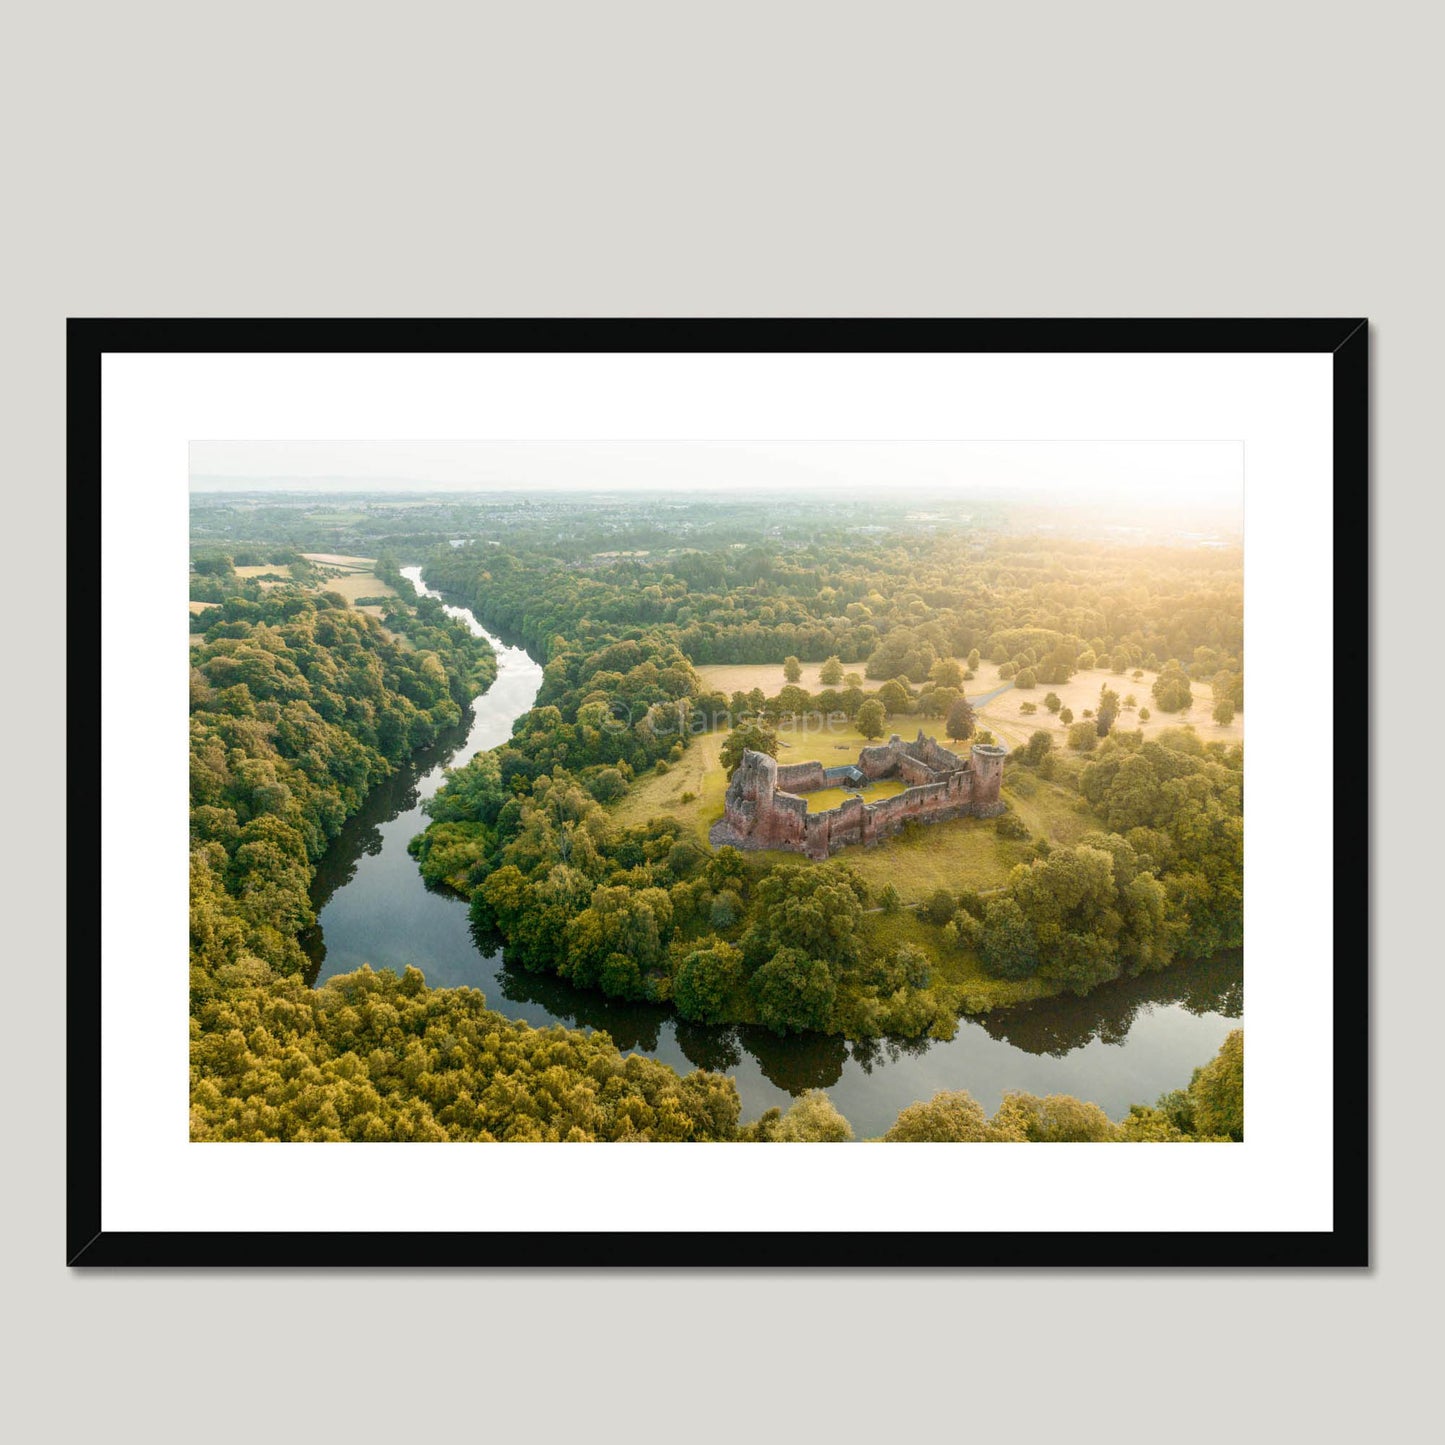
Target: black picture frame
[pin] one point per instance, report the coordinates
(88, 1245)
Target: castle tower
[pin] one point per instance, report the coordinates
(988, 778)
(754, 782)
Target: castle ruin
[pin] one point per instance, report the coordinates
(766, 807)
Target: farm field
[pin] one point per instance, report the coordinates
(359, 584)
(352, 577)
(339, 559)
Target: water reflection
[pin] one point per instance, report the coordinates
(1058, 1026)
(362, 834)
(797, 1061)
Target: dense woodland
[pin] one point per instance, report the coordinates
(300, 704)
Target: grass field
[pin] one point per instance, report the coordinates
(825, 798)
(833, 745)
(744, 677)
(1002, 715)
(962, 853)
(1051, 811)
(269, 570)
(661, 794)
(202, 606)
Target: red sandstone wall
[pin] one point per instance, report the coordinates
(913, 772)
(874, 762)
(801, 777)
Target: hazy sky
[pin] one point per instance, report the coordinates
(1145, 473)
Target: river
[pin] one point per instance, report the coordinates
(1125, 1043)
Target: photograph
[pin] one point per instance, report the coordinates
(717, 792)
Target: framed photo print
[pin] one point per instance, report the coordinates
(706, 735)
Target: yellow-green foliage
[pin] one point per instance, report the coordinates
(812, 1119)
(1217, 1091)
(370, 1056)
(1212, 1109)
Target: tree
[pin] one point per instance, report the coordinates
(1083, 737)
(973, 660)
(961, 719)
(794, 992)
(951, 1117)
(727, 908)
(1108, 710)
(1007, 946)
(1171, 689)
(1057, 1119)
(946, 672)
(1026, 679)
(1010, 825)
(831, 673)
(792, 668)
(1039, 745)
(1052, 701)
(812, 1119)
(1229, 683)
(888, 899)
(1087, 659)
(1066, 715)
(1224, 712)
(1217, 1092)
(870, 719)
(940, 907)
(794, 699)
(754, 734)
(894, 697)
(1144, 714)
(937, 702)
(705, 981)
(816, 909)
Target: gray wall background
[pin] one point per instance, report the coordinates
(748, 159)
